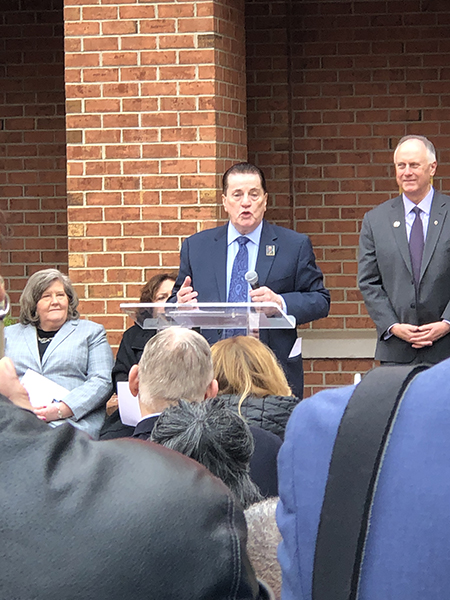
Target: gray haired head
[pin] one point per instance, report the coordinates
(215, 436)
(431, 150)
(176, 363)
(36, 286)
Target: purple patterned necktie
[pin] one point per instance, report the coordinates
(238, 291)
(416, 245)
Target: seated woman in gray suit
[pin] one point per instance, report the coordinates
(53, 341)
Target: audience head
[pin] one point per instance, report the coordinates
(37, 286)
(214, 436)
(262, 543)
(176, 364)
(158, 288)
(244, 366)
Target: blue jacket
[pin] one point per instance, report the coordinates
(407, 546)
(285, 263)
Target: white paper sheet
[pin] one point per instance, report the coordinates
(130, 413)
(41, 390)
(296, 348)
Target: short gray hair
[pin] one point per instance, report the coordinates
(176, 364)
(262, 543)
(36, 286)
(215, 436)
(431, 150)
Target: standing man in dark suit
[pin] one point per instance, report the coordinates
(404, 262)
(283, 259)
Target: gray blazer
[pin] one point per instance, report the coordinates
(386, 279)
(78, 358)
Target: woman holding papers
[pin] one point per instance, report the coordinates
(52, 345)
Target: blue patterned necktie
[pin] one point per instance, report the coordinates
(416, 245)
(238, 291)
(238, 286)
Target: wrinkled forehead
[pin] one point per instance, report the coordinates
(245, 181)
(411, 151)
(55, 286)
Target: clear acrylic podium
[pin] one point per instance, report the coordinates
(250, 316)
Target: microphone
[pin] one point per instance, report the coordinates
(251, 277)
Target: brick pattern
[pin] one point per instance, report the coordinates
(328, 373)
(155, 109)
(269, 103)
(32, 140)
(332, 86)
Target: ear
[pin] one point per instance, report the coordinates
(433, 168)
(212, 389)
(224, 202)
(133, 380)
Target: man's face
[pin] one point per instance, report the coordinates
(245, 201)
(413, 169)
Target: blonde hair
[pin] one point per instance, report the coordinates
(244, 365)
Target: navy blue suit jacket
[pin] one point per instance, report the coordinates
(291, 271)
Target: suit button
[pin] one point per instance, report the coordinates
(412, 305)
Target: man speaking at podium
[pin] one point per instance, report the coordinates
(213, 264)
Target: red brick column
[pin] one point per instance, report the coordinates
(155, 110)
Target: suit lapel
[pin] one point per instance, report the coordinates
(219, 260)
(398, 225)
(30, 337)
(67, 329)
(268, 249)
(437, 217)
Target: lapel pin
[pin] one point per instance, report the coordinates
(270, 250)
(436, 222)
(396, 223)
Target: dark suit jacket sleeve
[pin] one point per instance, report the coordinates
(370, 283)
(184, 271)
(309, 299)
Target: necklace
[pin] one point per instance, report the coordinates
(44, 337)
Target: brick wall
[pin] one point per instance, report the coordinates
(329, 95)
(155, 110)
(32, 140)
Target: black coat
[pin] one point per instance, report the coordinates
(269, 412)
(130, 352)
(263, 465)
(113, 520)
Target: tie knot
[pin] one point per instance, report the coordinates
(242, 240)
(417, 210)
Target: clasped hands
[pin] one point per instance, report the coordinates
(420, 336)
